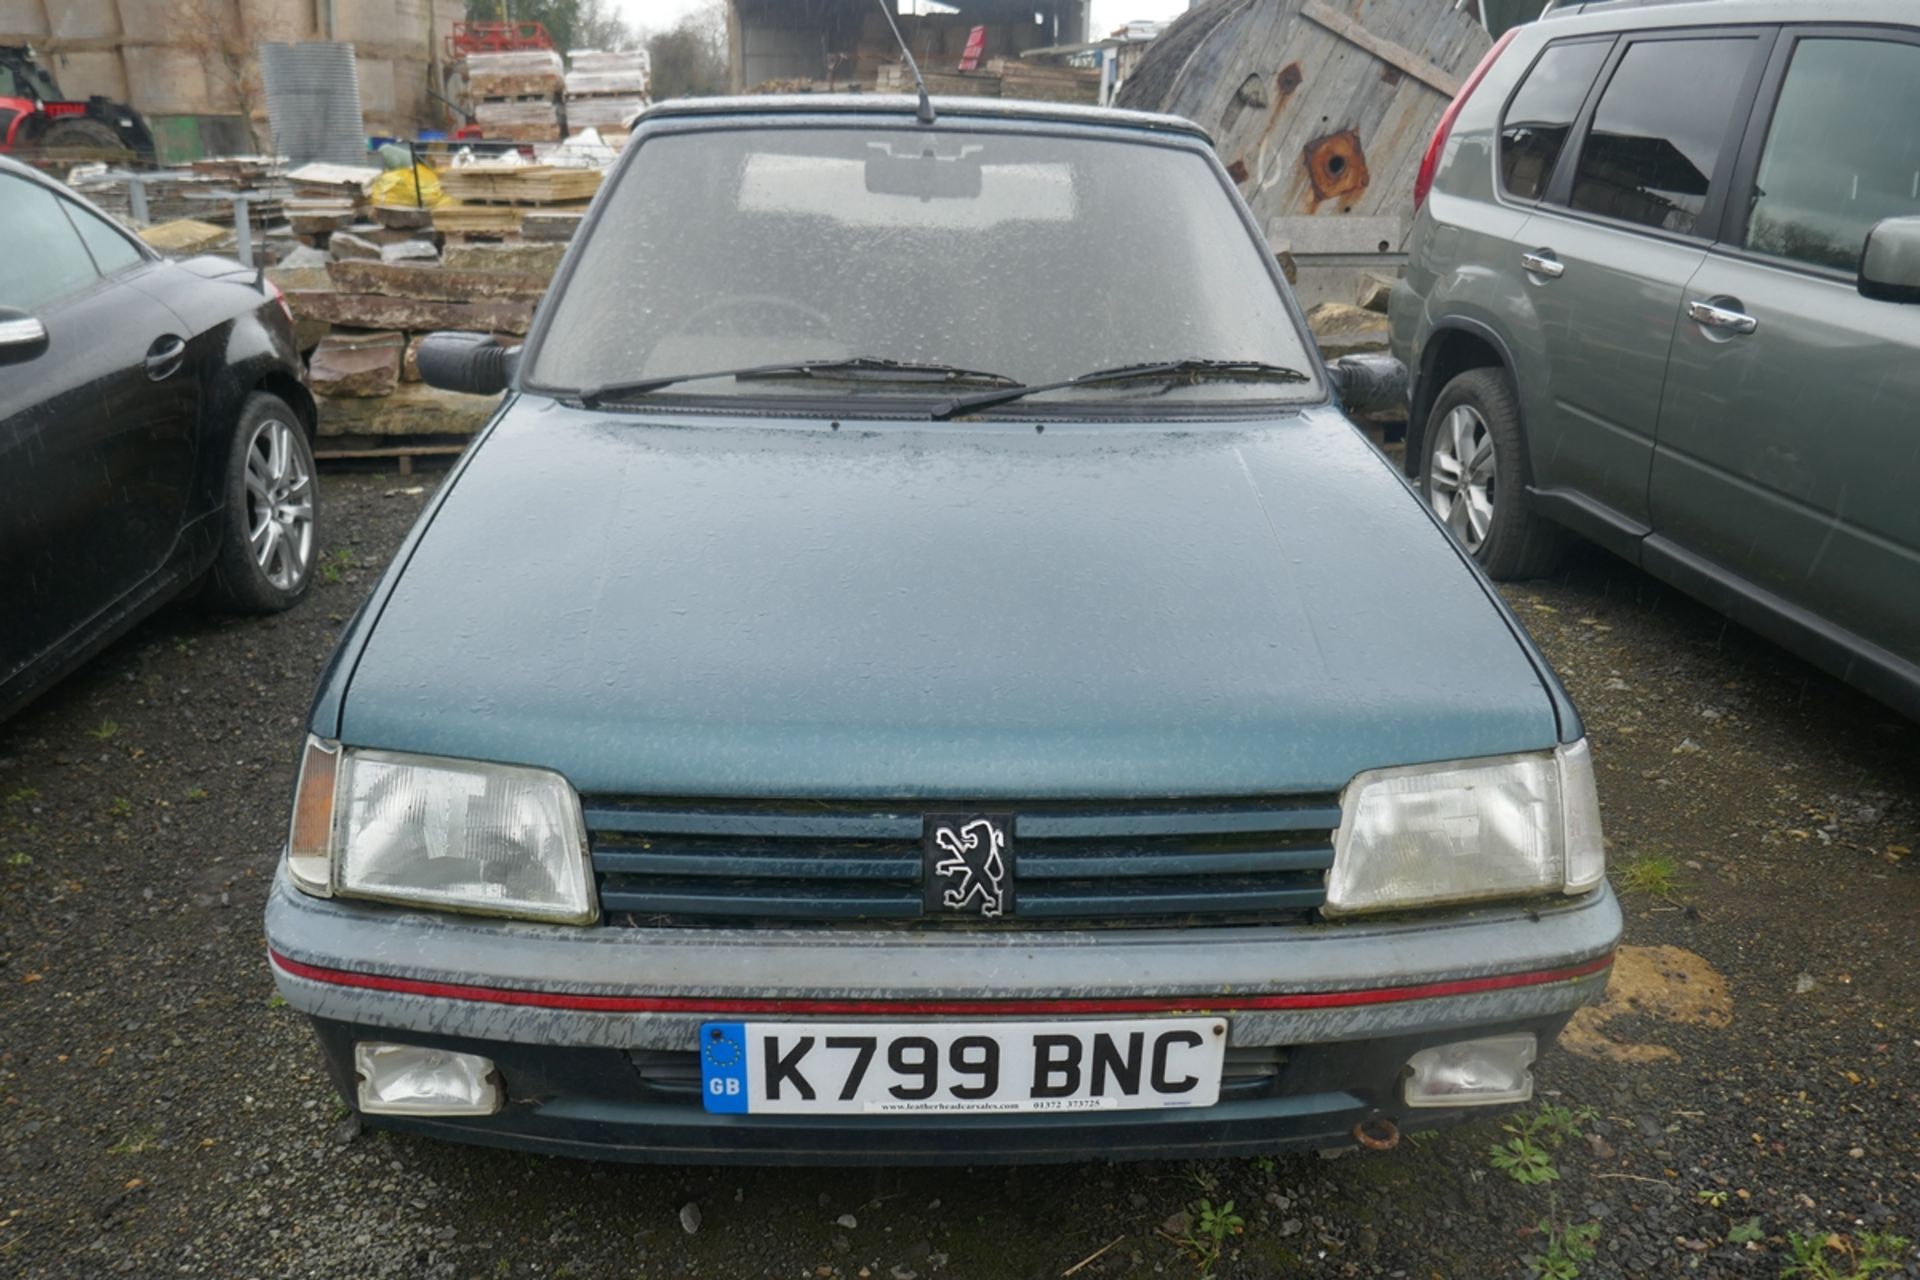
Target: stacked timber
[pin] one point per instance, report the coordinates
(1045, 81)
(517, 95)
(999, 78)
(605, 91)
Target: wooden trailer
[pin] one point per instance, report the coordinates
(1321, 111)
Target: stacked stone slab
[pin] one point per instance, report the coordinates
(361, 316)
(605, 91)
(517, 95)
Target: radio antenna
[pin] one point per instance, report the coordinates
(926, 104)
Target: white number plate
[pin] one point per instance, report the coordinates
(872, 1068)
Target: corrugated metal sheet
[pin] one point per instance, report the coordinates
(313, 102)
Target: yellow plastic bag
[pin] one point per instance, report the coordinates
(395, 187)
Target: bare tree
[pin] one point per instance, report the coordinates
(690, 58)
(213, 32)
(598, 24)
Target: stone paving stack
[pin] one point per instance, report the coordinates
(491, 199)
(606, 90)
(361, 309)
(517, 95)
(327, 198)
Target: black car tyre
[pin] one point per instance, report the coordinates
(1475, 476)
(267, 548)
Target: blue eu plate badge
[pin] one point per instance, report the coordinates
(723, 1067)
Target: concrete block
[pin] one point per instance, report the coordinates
(163, 81)
(86, 19)
(22, 20)
(379, 22)
(83, 73)
(376, 86)
(285, 21)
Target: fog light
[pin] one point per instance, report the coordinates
(1473, 1073)
(408, 1080)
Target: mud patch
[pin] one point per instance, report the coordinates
(1650, 984)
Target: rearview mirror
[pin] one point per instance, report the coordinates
(470, 362)
(925, 176)
(1890, 263)
(21, 336)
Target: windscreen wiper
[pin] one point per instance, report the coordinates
(1193, 370)
(865, 368)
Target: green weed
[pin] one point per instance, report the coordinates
(1212, 1228)
(1566, 1250)
(107, 729)
(1745, 1232)
(1656, 875)
(120, 807)
(20, 858)
(136, 1144)
(334, 565)
(1527, 1154)
(1836, 1257)
(25, 795)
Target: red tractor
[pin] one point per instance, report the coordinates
(35, 120)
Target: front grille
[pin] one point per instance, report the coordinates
(662, 863)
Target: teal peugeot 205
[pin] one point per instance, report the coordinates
(920, 668)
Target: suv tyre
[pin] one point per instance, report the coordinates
(1475, 475)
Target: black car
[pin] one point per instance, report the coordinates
(155, 435)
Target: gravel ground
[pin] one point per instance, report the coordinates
(1757, 1073)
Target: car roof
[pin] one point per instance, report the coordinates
(1611, 15)
(974, 110)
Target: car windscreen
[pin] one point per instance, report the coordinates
(1033, 257)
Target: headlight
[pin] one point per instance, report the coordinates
(1504, 827)
(454, 834)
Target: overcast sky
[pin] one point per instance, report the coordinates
(1107, 14)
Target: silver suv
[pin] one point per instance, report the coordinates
(1659, 293)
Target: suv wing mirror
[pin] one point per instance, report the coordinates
(469, 362)
(21, 336)
(1890, 262)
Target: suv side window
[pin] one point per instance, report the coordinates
(112, 251)
(1542, 112)
(1659, 129)
(45, 257)
(1841, 153)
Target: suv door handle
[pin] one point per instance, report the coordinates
(1541, 262)
(164, 357)
(1714, 316)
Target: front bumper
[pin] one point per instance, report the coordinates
(593, 1029)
